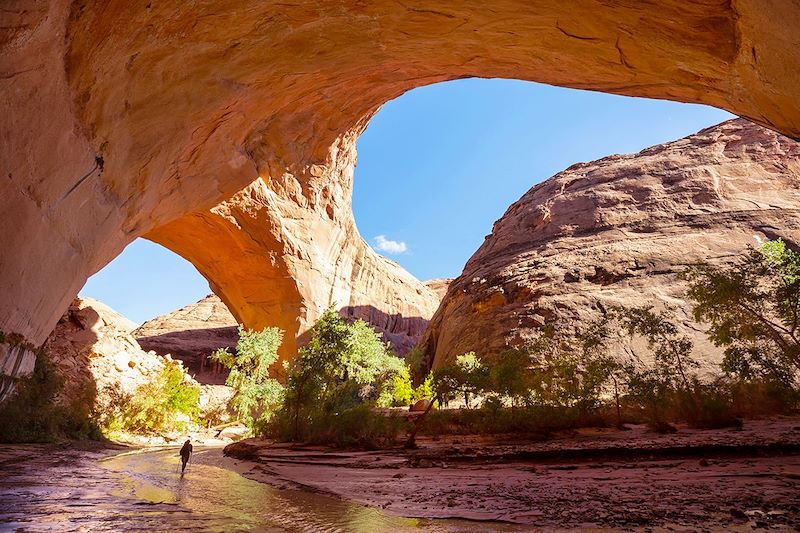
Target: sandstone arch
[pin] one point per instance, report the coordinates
(187, 103)
(277, 261)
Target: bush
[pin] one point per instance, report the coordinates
(398, 391)
(752, 398)
(711, 406)
(533, 421)
(33, 415)
(156, 406)
(256, 394)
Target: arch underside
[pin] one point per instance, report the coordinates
(189, 103)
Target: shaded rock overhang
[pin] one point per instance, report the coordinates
(188, 103)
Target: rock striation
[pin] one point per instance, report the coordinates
(191, 333)
(616, 231)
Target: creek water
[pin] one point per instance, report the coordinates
(46, 489)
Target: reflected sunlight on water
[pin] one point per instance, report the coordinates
(71, 490)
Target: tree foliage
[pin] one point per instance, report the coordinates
(553, 369)
(343, 367)
(256, 393)
(753, 310)
(165, 403)
(465, 375)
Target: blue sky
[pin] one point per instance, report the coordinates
(436, 168)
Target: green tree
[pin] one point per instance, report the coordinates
(155, 405)
(343, 366)
(399, 390)
(256, 393)
(670, 379)
(417, 363)
(672, 352)
(466, 375)
(753, 310)
(510, 376)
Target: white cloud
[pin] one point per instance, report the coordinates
(382, 244)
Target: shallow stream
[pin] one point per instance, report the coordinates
(46, 489)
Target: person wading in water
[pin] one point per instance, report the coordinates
(186, 452)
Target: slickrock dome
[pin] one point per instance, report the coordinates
(617, 231)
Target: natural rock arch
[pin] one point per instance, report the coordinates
(277, 262)
(189, 102)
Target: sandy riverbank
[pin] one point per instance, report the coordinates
(708, 480)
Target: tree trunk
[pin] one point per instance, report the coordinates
(411, 442)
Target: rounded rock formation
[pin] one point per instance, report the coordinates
(616, 232)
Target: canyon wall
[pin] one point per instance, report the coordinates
(196, 330)
(126, 119)
(617, 231)
(192, 333)
(96, 355)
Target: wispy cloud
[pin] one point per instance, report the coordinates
(382, 244)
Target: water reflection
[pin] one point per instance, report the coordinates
(71, 490)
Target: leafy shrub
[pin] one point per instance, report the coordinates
(256, 394)
(533, 421)
(362, 427)
(418, 364)
(156, 405)
(759, 397)
(33, 415)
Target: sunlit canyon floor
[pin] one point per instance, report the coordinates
(697, 480)
(598, 480)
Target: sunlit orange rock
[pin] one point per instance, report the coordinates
(122, 119)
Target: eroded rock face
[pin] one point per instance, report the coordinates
(438, 285)
(93, 348)
(126, 119)
(280, 252)
(191, 333)
(616, 231)
(100, 361)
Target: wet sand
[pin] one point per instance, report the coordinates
(720, 480)
(88, 487)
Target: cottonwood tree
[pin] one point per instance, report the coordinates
(753, 310)
(256, 393)
(342, 366)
